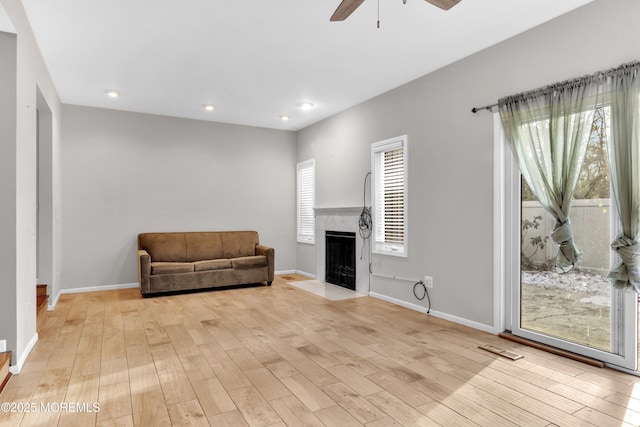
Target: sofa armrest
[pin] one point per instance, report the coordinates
(270, 254)
(144, 271)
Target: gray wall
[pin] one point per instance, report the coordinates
(47, 189)
(451, 149)
(127, 173)
(8, 49)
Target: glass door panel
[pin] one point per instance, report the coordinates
(573, 306)
(578, 311)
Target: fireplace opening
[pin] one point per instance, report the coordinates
(340, 259)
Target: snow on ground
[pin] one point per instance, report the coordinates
(574, 280)
(595, 288)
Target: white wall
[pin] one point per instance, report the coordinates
(451, 164)
(127, 173)
(31, 76)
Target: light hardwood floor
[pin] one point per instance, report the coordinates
(276, 356)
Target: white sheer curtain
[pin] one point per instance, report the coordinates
(548, 131)
(622, 88)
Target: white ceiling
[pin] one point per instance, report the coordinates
(5, 23)
(256, 60)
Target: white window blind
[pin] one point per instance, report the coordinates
(389, 197)
(306, 187)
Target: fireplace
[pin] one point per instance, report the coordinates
(340, 258)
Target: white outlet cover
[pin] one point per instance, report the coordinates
(428, 282)
(3, 346)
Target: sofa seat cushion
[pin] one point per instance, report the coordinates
(212, 264)
(171, 267)
(249, 261)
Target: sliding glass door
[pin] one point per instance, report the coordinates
(578, 311)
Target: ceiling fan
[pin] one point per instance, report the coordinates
(347, 7)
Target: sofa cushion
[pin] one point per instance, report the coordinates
(171, 267)
(204, 246)
(237, 244)
(249, 261)
(164, 247)
(211, 264)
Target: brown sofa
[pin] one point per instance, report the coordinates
(170, 262)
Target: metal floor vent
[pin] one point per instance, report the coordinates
(501, 352)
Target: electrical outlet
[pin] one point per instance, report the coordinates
(428, 282)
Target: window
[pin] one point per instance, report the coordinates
(389, 186)
(306, 177)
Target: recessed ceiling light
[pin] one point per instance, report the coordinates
(112, 93)
(306, 106)
(208, 107)
(284, 118)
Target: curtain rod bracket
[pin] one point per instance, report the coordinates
(486, 107)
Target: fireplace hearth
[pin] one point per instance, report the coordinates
(340, 259)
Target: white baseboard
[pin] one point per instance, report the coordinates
(15, 369)
(281, 272)
(53, 303)
(309, 275)
(434, 313)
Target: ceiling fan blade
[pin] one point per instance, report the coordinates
(345, 9)
(444, 4)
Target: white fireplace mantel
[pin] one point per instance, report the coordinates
(342, 219)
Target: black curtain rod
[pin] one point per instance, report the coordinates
(486, 107)
(599, 75)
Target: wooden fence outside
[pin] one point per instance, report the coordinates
(591, 224)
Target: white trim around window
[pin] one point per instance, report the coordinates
(305, 201)
(389, 188)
